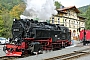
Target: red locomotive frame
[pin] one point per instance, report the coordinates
(48, 45)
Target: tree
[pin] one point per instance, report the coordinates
(7, 8)
(17, 11)
(9, 4)
(57, 4)
(88, 18)
(1, 26)
(7, 20)
(83, 14)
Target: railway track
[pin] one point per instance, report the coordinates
(7, 58)
(12, 57)
(71, 56)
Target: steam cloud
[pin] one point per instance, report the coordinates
(42, 9)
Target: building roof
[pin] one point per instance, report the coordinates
(81, 17)
(67, 8)
(62, 12)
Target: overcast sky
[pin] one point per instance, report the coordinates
(77, 3)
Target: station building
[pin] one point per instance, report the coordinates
(68, 16)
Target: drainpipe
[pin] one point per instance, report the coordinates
(84, 40)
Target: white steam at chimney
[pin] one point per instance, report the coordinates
(42, 9)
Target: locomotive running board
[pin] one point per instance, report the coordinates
(14, 54)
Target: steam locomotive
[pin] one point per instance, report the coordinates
(31, 37)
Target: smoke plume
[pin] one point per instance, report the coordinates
(42, 9)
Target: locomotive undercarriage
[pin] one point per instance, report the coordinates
(34, 46)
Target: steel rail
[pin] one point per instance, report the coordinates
(70, 56)
(7, 58)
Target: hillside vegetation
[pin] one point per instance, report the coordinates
(83, 8)
(9, 9)
(85, 12)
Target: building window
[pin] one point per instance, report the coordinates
(69, 12)
(69, 24)
(74, 24)
(52, 20)
(75, 15)
(79, 24)
(65, 22)
(58, 20)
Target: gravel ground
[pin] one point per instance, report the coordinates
(57, 53)
(54, 53)
(84, 58)
(2, 53)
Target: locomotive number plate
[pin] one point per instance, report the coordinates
(15, 29)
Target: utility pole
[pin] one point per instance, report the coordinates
(84, 39)
(84, 35)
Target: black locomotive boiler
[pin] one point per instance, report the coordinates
(30, 36)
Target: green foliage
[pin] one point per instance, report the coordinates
(88, 18)
(6, 8)
(7, 25)
(57, 4)
(1, 26)
(8, 4)
(17, 10)
(85, 12)
(84, 8)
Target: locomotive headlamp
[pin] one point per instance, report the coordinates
(14, 19)
(55, 35)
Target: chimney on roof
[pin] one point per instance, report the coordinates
(61, 7)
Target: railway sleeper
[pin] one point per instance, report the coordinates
(74, 56)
